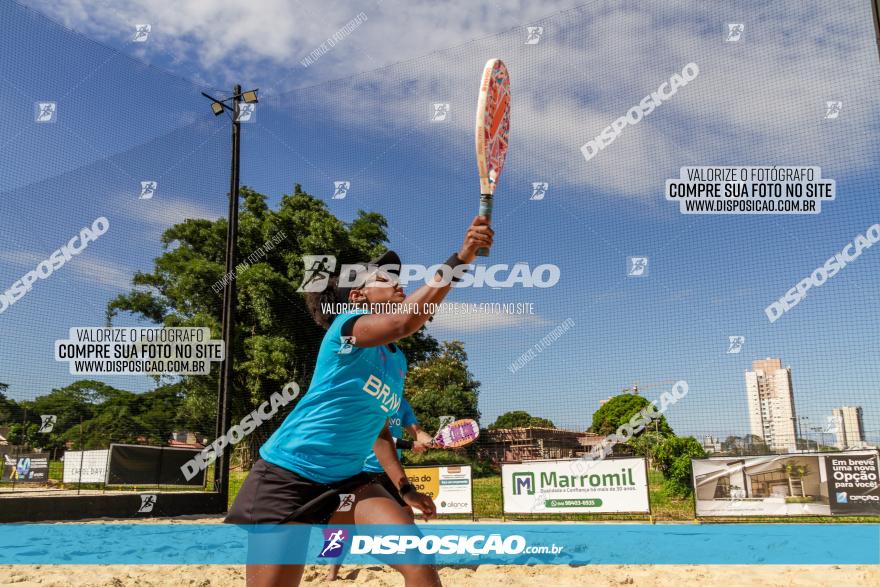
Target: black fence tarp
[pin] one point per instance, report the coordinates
(150, 465)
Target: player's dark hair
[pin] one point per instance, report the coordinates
(318, 303)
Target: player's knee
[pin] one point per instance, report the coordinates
(420, 575)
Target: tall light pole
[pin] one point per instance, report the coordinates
(875, 8)
(224, 385)
(805, 431)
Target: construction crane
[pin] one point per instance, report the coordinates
(636, 387)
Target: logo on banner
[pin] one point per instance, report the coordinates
(832, 109)
(440, 112)
(317, 272)
(734, 32)
(841, 497)
(534, 34)
(148, 190)
(346, 345)
(142, 33)
(346, 501)
(22, 467)
(246, 112)
(524, 481)
(47, 424)
(830, 425)
(148, 501)
(334, 540)
(539, 190)
(735, 344)
(46, 111)
(637, 266)
(340, 189)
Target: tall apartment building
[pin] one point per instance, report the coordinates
(771, 404)
(849, 426)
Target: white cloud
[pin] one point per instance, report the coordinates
(231, 38)
(83, 267)
(102, 272)
(758, 101)
(164, 212)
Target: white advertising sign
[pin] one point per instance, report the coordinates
(450, 487)
(85, 466)
(575, 486)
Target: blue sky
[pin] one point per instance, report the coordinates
(132, 111)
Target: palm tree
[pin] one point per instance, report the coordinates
(796, 471)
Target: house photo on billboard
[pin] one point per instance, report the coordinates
(785, 485)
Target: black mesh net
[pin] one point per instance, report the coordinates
(769, 318)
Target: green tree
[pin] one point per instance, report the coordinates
(158, 413)
(745, 445)
(646, 445)
(619, 410)
(124, 417)
(672, 458)
(24, 434)
(442, 385)
(8, 408)
(520, 419)
(70, 405)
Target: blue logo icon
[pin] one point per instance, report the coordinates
(841, 497)
(334, 540)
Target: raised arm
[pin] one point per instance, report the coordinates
(379, 329)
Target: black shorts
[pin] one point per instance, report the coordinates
(274, 495)
(385, 481)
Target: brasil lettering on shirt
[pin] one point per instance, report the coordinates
(388, 401)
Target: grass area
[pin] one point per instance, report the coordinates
(236, 478)
(665, 506)
(487, 501)
(56, 477)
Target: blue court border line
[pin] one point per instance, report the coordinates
(582, 543)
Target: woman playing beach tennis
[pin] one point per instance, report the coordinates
(318, 452)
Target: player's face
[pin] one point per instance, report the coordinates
(382, 288)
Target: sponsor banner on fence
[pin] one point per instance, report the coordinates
(853, 484)
(134, 464)
(797, 484)
(85, 466)
(450, 487)
(28, 467)
(442, 544)
(610, 485)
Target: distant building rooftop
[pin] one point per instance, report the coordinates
(528, 444)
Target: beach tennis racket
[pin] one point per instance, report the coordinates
(491, 132)
(457, 434)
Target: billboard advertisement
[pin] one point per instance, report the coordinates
(26, 468)
(150, 465)
(86, 466)
(450, 487)
(796, 484)
(575, 486)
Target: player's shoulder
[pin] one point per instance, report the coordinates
(343, 320)
(338, 337)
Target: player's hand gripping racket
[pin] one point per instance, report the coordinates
(457, 434)
(492, 130)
